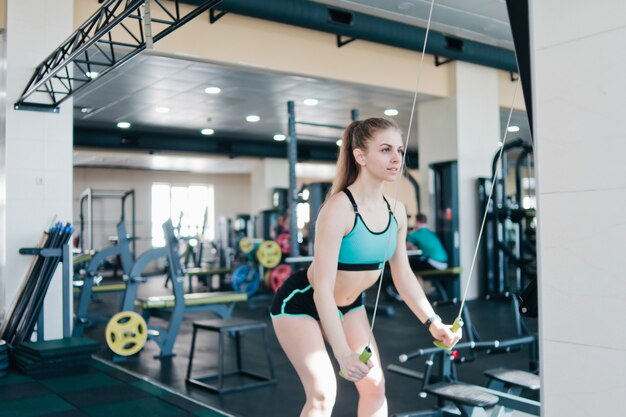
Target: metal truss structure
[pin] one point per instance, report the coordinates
(117, 32)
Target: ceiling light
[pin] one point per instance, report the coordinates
(86, 109)
(311, 102)
(279, 137)
(212, 90)
(92, 74)
(162, 109)
(207, 132)
(123, 125)
(338, 142)
(391, 112)
(513, 128)
(253, 118)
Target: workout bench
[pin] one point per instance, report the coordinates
(173, 306)
(470, 400)
(437, 278)
(206, 272)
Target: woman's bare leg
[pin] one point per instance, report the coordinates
(301, 339)
(372, 400)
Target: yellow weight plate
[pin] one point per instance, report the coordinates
(126, 333)
(246, 245)
(268, 254)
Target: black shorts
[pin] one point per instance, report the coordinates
(295, 298)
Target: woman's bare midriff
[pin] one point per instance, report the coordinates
(349, 284)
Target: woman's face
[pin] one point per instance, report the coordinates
(383, 155)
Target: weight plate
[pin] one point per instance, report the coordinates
(279, 275)
(268, 254)
(246, 245)
(126, 333)
(245, 278)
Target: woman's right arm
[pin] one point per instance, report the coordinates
(332, 224)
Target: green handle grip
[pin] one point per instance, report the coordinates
(363, 357)
(458, 323)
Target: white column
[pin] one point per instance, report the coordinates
(268, 174)
(478, 134)
(437, 134)
(465, 128)
(35, 150)
(578, 102)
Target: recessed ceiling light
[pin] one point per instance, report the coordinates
(92, 74)
(391, 112)
(207, 132)
(513, 128)
(86, 109)
(338, 142)
(279, 137)
(253, 118)
(123, 125)
(311, 102)
(162, 109)
(212, 90)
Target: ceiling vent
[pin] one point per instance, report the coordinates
(340, 17)
(454, 44)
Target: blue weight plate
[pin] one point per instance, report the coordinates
(245, 279)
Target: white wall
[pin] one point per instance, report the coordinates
(269, 173)
(232, 196)
(35, 150)
(578, 105)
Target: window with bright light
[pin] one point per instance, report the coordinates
(191, 209)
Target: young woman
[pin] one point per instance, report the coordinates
(356, 228)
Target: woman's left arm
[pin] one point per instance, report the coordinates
(409, 288)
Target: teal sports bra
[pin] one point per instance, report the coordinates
(362, 249)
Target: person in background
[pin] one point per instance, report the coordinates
(433, 255)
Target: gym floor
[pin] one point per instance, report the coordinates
(395, 335)
(94, 389)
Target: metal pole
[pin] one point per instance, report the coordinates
(67, 290)
(90, 217)
(133, 228)
(292, 156)
(82, 224)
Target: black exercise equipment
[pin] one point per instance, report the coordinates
(529, 303)
(509, 250)
(457, 398)
(446, 217)
(440, 378)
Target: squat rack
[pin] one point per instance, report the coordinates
(88, 196)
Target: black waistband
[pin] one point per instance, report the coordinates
(359, 267)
